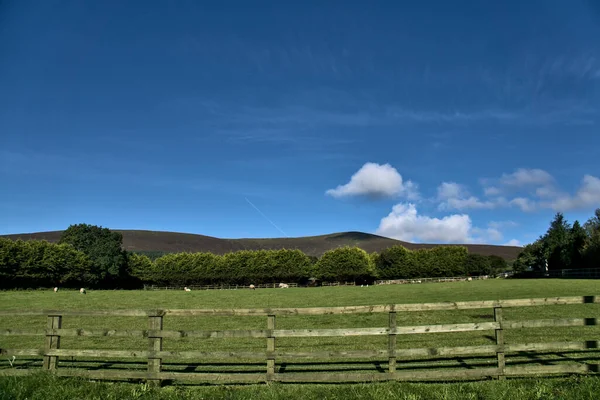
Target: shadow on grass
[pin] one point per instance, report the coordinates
(369, 366)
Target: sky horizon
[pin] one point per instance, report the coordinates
(428, 123)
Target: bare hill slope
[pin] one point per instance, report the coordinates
(140, 240)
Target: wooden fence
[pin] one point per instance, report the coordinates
(219, 287)
(581, 273)
(437, 279)
(392, 355)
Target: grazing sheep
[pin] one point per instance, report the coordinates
(469, 279)
(187, 289)
(55, 289)
(284, 285)
(82, 291)
(252, 287)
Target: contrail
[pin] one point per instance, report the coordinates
(271, 222)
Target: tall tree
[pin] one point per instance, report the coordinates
(577, 243)
(532, 256)
(592, 225)
(104, 249)
(556, 243)
(592, 250)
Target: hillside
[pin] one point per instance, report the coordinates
(136, 240)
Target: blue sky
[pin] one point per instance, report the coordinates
(428, 121)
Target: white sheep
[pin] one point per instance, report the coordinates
(187, 289)
(469, 279)
(284, 285)
(82, 291)
(55, 289)
(252, 287)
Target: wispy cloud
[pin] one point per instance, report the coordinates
(588, 195)
(502, 224)
(539, 189)
(527, 177)
(525, 204)
(452, 195)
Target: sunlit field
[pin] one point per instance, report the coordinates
(492, 289)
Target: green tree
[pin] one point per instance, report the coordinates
(289, 265)
(140, 267)
(578, 241)
(421, 262)
(345, 264)
(447, 261)
(395, 262)
(240, 267)
(477, 265)
(38, 263)
(11, 254)
(532, 256)
(185, 269)
(556, 243)
(103, 247)
(592, 250)
(497, 263)
(592, 225)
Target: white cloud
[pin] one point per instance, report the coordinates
(491, 191)
(524, 204)
(533, 180)
(449, 190)
(494, 234)
(513, 242)
(588, 195)
(404, 223)
(486, 235)
(546, 191)
(455, 196)
(375, 180)
(467, 203)
(527, 177)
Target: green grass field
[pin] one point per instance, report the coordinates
(310, 297)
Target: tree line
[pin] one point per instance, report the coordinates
(563, 246)
(92, 256)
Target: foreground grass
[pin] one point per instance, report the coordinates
(44, 387)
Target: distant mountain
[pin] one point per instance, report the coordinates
(156, 241)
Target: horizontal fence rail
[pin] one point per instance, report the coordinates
(155, 355)
(221, 287)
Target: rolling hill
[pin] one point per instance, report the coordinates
(140, 240)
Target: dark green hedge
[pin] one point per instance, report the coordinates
(93, 257)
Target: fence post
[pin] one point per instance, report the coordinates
(155, 323)
(500, 342)
(52, 341)
(270, 348)
(392, 342)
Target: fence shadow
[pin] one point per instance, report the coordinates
(316, 366)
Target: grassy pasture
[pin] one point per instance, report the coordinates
(311, 297)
